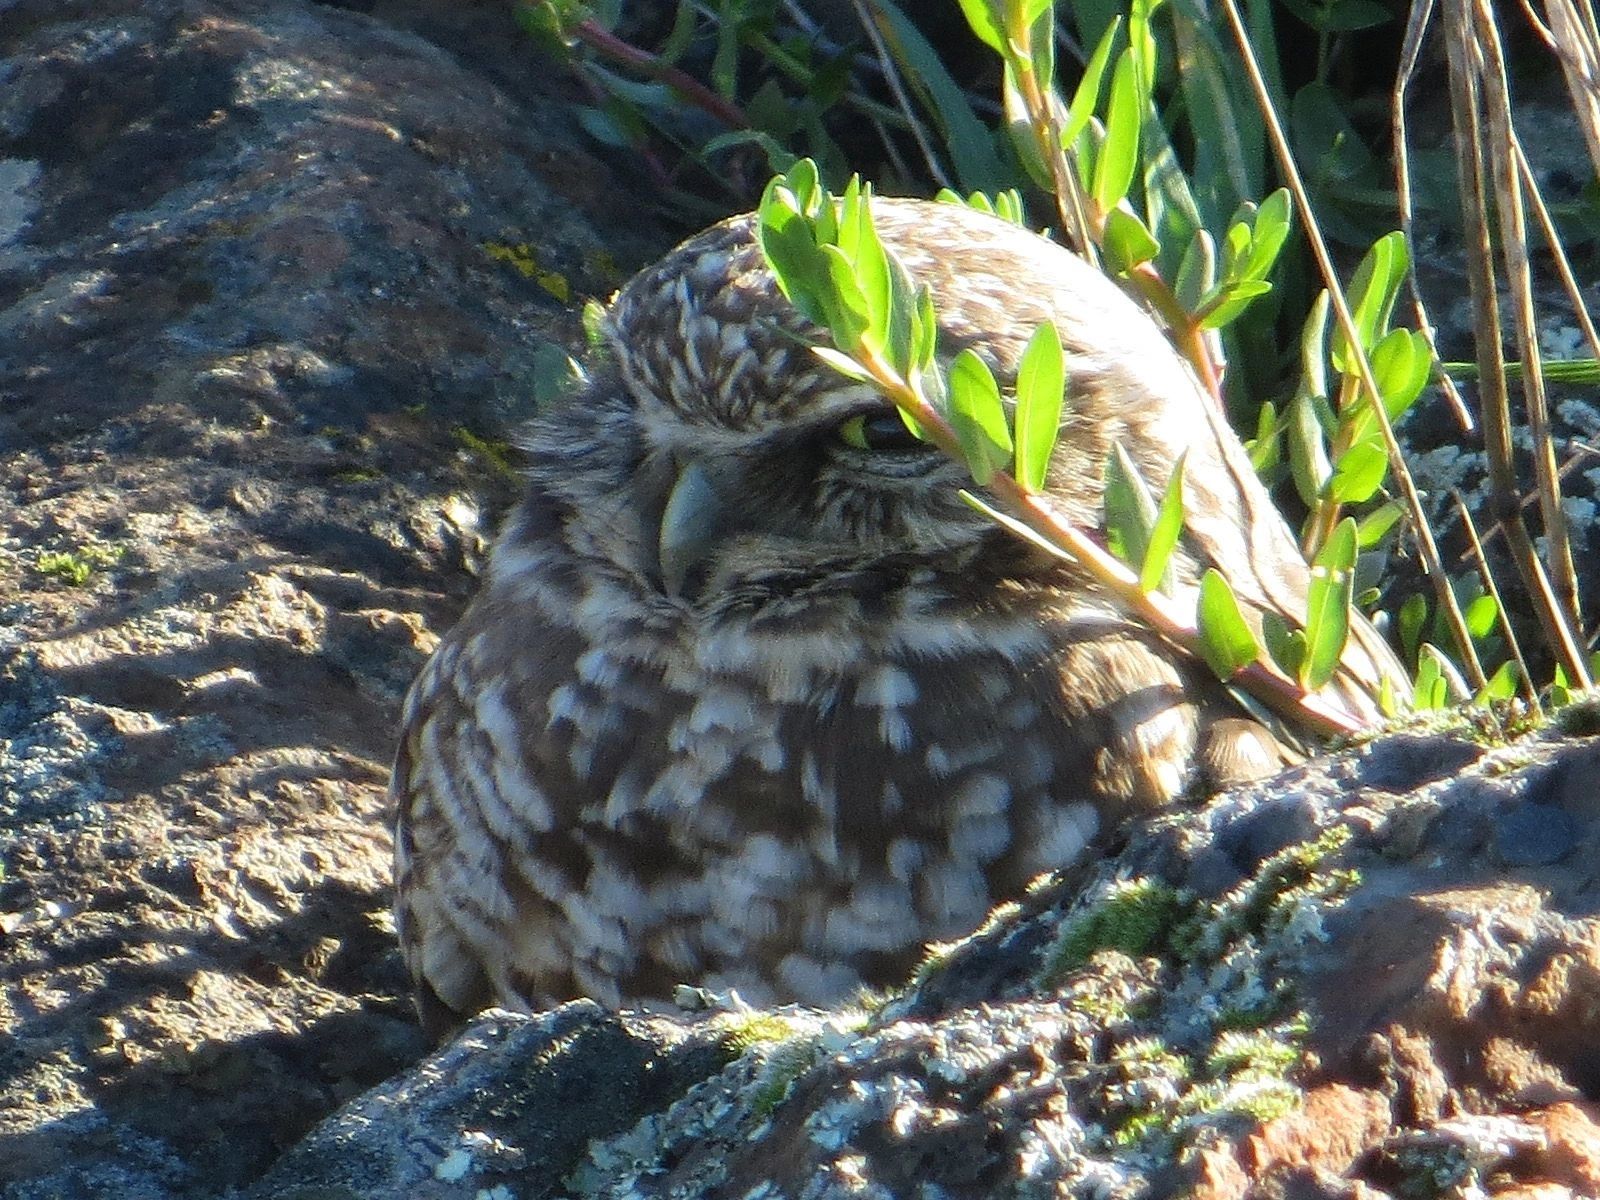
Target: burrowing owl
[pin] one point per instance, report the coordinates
(750, 698)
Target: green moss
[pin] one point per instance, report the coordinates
(1150, 1053)
(76, 567)
(495, 452)
(1141, 1128)
(521, 258)
(1105, 1006)
(783, 1069)
(1282, 887)
(1256, 1054)
(939, 952)
(745, 1031)
(1135, 918)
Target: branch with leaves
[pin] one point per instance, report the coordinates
(831, 264)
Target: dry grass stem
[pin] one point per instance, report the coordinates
(1427, 546)
(1501, 616)
(1410, 54)
(1469, 74)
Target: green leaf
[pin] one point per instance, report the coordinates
(1481, 616)
(1229, 301)
(902, 343)
(845, 304)
(1228, 157)
(1127, 242)
(1371, 296)
(1165, 532)
(980, 16)
(1328, 599)
(1327, 142)
(1430, 690)
(1041, 382)
(977, 201)
(842, 363)
(1039, 19)
(977, 416)
(792, 253)
(1308, 449)
(1008, 207)
(971, 145)
(926, 338)
(1372, 527)
(1141, 41)
(1264, 447)
(1502, 684)
(1285, 646)
(1119, 152)
(1270, 232)
(1413, 616)
(1359, 473)
(1236, 242)
(725, 62)
(1314, 347)
(1032, 10)
(858, 242)
(1130, 509)
(1007, 521)
(1226, 642)
(1340, 16)
(682, 33)
(1197, 274)
(1026, 140)
(1401, 365)
(1086, 98)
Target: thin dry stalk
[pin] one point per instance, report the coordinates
(1411, 52)
(1547, 225)
(1465, 74)
(1513, 226)
(1574, 36)
(1433, 566)
(1501, 616)
(891, 75)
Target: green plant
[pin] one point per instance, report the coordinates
(76, 567)
(1159, 172)
(830, 263)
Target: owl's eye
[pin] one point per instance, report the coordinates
(882, 431)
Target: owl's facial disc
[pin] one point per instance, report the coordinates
(849, 494)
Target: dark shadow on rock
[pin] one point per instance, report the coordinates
(230, 1105)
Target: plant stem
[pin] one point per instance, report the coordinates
(690, 88)
(1280, 693)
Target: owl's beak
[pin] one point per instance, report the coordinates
(692, 521)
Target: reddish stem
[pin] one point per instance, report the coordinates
(686, 85)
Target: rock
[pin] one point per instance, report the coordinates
(265, 329)
(513, 1102)
(1380, 1006)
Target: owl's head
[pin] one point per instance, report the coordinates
(725, 457)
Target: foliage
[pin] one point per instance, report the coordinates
(830, 263)
(1157, 160)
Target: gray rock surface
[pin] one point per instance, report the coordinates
(513, 1102)
(1372, 978)
(260, 349)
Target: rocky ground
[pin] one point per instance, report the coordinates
(260, 347)
(276, 280)
(1375, 977)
